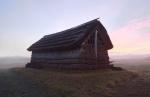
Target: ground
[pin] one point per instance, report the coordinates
(134, 81)
(13, 85)
(138, 87)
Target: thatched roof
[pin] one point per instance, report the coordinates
(68, 39)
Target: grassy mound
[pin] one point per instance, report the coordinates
(90, 83)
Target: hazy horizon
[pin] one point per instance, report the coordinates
(23, 22)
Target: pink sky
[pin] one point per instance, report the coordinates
(132, 38)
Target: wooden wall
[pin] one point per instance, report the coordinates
(57, 56)
(88, 51)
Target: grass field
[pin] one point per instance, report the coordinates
(91, 83)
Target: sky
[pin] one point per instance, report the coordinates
(23, 22)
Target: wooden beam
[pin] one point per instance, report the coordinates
(96, 43)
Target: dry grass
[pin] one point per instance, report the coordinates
(90, 83)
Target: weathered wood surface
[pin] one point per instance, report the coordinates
(57, 54)
(67, 66)
(88, 51)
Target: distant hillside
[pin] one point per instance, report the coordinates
(129, 56)
(11, 62)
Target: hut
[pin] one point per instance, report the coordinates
(82, 47)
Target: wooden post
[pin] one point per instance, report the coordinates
(96, 45)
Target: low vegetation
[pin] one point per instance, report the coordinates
(90, 83)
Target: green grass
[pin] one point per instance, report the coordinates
(89, 83)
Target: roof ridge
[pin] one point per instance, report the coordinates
(72, 28)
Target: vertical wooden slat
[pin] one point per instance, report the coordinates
(96, 44)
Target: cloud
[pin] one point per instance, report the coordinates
(133, 37)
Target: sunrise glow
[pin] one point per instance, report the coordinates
(23, 22)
